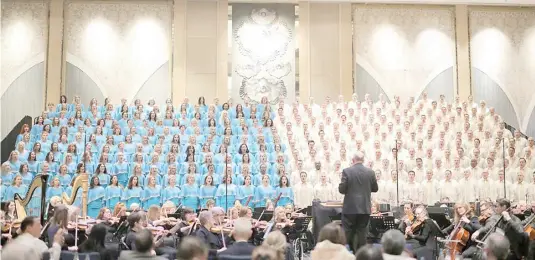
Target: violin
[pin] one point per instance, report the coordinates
(417, 225)
(225, 230)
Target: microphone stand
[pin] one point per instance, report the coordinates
(504, 179)
(397, 172)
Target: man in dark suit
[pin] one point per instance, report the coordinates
(242, 231)
(357, 184)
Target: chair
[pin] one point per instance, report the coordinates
(68, 255)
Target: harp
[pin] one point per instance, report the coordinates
(80, 184)
(40, 181)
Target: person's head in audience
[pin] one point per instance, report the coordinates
(243, 229)
(393, 242)
(333, 233)
(144, 241)
(496, 247)
(277, 241)
(32, 226)
(369, 252)
(191, 248)
(96, 237)
(207, 219)
(266, 253)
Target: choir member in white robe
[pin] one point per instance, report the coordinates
(430, 189)
(304, 192)
(323, 191)
(520, 189)
(392, 188)
(474, 169)
(449, 188)
(381, 197)
(501, 187)
(411, 191)
(469, 191)
(419, 170)
(485, 187)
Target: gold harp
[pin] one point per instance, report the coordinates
(21, 203)
(80, 184)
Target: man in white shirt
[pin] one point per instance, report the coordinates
(28, 246)
(449, 188)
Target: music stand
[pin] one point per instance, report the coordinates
(384, 208)
(267, 216)
(439, 218)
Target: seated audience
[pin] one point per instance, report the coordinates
(28, 246)
(192, 248)
(496, 247)
(144, 247)
(277, 241)
(265, 252)
(331, 243)
(369, 252)
(393, 242)
(95, 242)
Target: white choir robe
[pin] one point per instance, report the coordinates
(485, 189)
(304, 194)
(324, 192)
(499, 190)
(411, 192)
(430, 191)
(449, 189)
(419, 174)
(531, 194)
(468, 192)
(381, 195)
(519, 191)
(391, 191)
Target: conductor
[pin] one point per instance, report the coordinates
(357, 184)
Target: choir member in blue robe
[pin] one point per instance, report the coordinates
(132, 193)
(113, 193)
(137, 171)
(64, 178)
(7, 174)
(264, 192)
(151, 195)
(55, 189)
(25, 173)
(287, 194)
(120, 168)
(32, 163)
(16, 188)
(102, 174)
(215, 177)
(226, 193)
(52, 164)
(190, 193)
(154, 172)
(207, 190)
(245, 191)
(14, 161)
(171, 192)
(95, 197)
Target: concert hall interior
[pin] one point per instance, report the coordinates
(249, 129)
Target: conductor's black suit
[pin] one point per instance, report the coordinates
(357, 184)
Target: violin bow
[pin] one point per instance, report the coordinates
(248, 200)
(277, 200)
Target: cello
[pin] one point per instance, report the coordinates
(457, 239)
(528, 229)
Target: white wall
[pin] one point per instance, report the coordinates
(404, 48)
(119, 46)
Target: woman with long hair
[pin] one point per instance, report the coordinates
(207, 190)
(132, 192)
(113, 192)
(171, 192)
(151, 195)
(95, 197)
(95, 242)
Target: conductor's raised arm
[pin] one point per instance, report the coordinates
(342, 187)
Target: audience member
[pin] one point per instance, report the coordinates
(144, 244)
(265, 252)
(192, 248)
(369, 252)
(242, 231)
(28, 246)
(393, 242)
(331, 243)
(95, 242)
(496, 247)
(277, 241)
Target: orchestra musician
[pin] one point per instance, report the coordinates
(525, 223)
(408, 218)
(136, 222)
(418, 234)
(280, 219)
(60, 220)
(214, 241)
(469, 222)
(500, 218)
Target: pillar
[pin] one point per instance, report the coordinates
(54, 58)
(463, 76)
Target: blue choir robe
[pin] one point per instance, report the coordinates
(263, 193)
(121, 170)
(33, 167)
(178, 178)
(151, 196)
(7, 179)
(157, 177)
(95, 201)
(64, 180)
(34, 206)
(53, 191)
(225, 196)
(215, 177)
(78, 200)
(131, 196)
(287, 196)
(171, 194)
(257, 179)
(104, 179)
(244, 192)
(26, 178)
(206, 193)
(12, 190)
(190, 196)
(113, 196)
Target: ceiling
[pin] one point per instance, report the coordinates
(441, 2)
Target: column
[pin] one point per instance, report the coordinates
(178, 85)
(346, 50)
(222, 90)
(54, 59)
(463, 67)
(303, 34)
